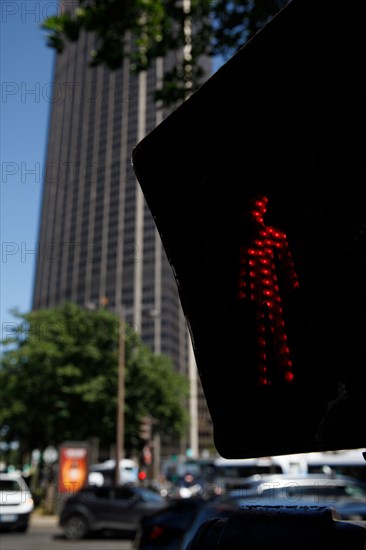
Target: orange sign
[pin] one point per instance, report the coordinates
(73, 469)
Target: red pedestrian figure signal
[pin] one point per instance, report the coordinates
(266, 270)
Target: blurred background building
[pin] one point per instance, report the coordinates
(97, 239)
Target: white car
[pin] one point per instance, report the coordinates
(16, 503)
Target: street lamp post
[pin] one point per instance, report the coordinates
(120, 418)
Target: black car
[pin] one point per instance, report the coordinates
(116, 508)
(173, 528)
(165, 529)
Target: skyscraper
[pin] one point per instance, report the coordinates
(98, 243)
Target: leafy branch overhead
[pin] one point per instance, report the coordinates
(206, 28)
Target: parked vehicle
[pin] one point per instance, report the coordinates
(16, 502)
(116, 508)
(165, 529)
(175, 527)
(345, 462)
(346, 495)
(105, 472)
(229, 473)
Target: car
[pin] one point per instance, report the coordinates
(16, 502)
(209, 511)
(114, 508)
(345, 494)
(173, 528)
(166, 528)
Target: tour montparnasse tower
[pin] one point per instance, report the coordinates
(98, 242)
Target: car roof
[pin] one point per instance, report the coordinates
(10, 475)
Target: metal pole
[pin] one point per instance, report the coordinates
(120, 423)
(156, 458)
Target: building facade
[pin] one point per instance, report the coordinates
(97, 239)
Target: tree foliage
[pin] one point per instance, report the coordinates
(59, 380)
(219, 28)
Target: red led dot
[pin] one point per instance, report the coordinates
(289, 376)
(264, 381)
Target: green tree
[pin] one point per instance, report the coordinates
(59, 376)
(219, 28)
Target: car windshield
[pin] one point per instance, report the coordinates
(9, 485)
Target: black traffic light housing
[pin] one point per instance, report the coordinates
(284, 122)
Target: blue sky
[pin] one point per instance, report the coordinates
(26, 77)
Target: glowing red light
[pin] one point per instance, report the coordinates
(289, 376)
(274, 260)
(142, 475)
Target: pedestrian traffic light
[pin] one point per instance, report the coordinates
(255, 186)
(145, 428)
